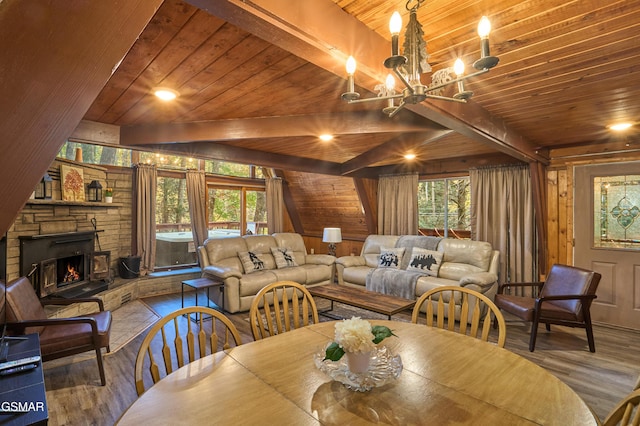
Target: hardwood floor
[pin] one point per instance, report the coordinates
(75, 397)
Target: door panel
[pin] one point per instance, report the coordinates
(607, 238)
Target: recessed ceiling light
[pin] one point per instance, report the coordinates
(326, 137)
(410, 156)
(165, 94)
(619, 127)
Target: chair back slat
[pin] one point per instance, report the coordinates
(289, 306)
(179, 326)
(191, 342)
(475, 319)
(464, 313)
(469, 319)
(451, 313)
(166, 354)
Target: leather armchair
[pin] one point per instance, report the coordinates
(59, 337)
(564, 299)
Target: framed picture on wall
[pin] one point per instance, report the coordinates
(72, 183)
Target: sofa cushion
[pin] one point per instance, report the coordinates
(371, 247)
(250, 284)
(317, 273)
(251, 262)
(474, 253)
(356, 274)
(456, 271)
(410, 241)
(284, 257)
(390, 257)
(223, 252)
(425, 261)
(296, 274)
(293, 241)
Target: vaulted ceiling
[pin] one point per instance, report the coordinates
(260, 80)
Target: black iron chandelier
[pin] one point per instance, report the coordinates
(409, 66)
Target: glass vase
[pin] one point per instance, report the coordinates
(358, 362)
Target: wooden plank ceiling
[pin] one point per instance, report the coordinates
(260, 80)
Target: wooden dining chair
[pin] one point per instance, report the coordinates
(59, 337)
(281, 306)
(564, 298)
(626, 412)
(474, 314)
(167, 338)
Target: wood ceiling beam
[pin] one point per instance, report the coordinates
(357, 122)
(289, 203)
(367, 205)
(396, 146)
(437, 169)
(320, 32)
(236, 154)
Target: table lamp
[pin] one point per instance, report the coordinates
(332, 236)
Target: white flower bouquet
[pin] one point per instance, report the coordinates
(355, 335)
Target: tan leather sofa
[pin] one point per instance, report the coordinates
(220, 259)
(467, 263)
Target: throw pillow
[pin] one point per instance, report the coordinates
(390, 257)
(250, 261)
(284, 257)
(425, 261)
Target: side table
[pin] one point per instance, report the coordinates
(203, 283)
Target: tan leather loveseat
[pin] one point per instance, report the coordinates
(472, 264)
(246, 264)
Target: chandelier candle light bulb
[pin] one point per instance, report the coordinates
(395, 25)
(484, 28)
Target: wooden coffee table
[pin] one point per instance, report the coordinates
(360, 298)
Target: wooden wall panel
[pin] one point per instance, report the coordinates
(327, 201)
(560, 216)
(552, 218)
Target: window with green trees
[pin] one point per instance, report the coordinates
(444, 206)
(96, 154)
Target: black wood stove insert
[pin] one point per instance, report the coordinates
(64, 265)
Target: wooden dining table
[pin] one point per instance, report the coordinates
(447, 378)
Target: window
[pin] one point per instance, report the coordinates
(174, 240)
(444, 207)
(224, 212)
(616, 211)
(232, 169)
(256, 212)
(96, 154)
(236, 211)
(168, 162)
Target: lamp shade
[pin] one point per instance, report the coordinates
(332, 235)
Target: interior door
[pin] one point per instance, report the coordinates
(607, 238)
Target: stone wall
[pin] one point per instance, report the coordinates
(113, 221)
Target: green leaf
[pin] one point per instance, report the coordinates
(381, 332)
(334, 352)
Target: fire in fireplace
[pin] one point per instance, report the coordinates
(72, 272)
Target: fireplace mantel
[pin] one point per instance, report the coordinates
(74, 203)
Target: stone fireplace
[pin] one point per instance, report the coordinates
(64, 265)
